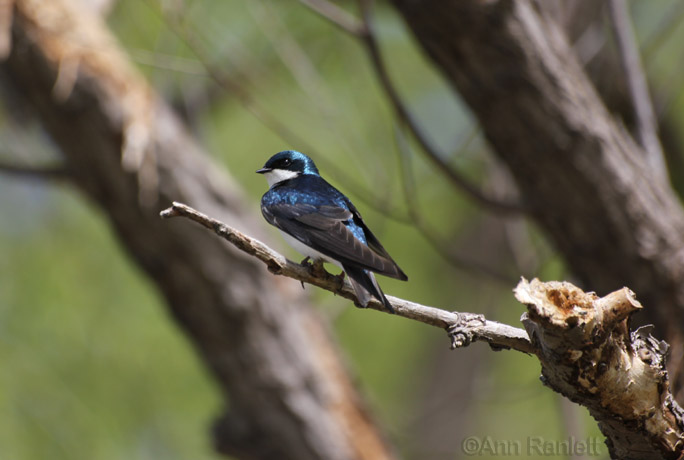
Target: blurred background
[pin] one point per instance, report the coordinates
(92, 365)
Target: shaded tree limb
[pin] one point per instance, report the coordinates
(288, 394)
(607, 75)
(585, 180)
(49, 172)
(645, 119)
(582, 341)
(336, 16)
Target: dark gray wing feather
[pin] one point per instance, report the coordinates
(322, 228)
(374, 243)
(365, 286)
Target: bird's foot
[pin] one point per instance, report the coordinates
(316, 268)
(305, 262)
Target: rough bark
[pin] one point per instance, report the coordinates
(584, 23)
(582, 176)
(589, 355)
(288, 393)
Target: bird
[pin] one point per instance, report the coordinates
(321, 223)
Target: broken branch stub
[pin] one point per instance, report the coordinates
(589, 355)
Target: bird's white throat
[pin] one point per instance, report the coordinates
(276, 176)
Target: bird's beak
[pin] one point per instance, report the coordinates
(263, 170)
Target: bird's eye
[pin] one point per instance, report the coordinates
(287, 162)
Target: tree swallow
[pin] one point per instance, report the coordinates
(321, 223)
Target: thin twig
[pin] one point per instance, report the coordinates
(336, 16)
(293, 57)
(463, 327)
(671, 20)
(299, 64)
(270, 121)
(40, 172)
(6, 11)
(282, 130)
(167, 62)
(437, 242)
(405, 116)
(646, 124)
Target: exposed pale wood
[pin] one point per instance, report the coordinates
(589, 354)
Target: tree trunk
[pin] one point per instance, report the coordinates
(289, 394)
(582, 176)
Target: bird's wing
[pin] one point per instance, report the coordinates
(322, 228)
(372, 242)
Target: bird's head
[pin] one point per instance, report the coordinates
(287, 165)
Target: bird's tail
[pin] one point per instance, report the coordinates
(365, 286)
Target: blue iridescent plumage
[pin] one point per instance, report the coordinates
(312, 190)
(321, 223)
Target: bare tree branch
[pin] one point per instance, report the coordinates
(40, 172)
(336, 16)
(670, 22)
(5, 27)
(475, 326)
(585, 180)
(583, 342)
(644, 115)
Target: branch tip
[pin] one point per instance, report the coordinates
(168, 213)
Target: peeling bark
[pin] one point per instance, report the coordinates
(589, 355)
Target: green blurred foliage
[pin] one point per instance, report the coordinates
(92, 365)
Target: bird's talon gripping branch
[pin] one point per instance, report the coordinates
(317, 269)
